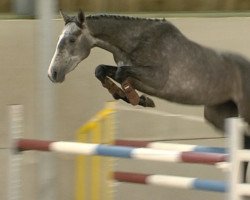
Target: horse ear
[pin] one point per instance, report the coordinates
(80, 17)
(65, 17)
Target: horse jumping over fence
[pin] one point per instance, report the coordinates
(154, 57)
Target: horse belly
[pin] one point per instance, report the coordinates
(197, 91)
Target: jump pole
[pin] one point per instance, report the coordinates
(234, 127)
(120, 151)
(171, 181)
(170, 146)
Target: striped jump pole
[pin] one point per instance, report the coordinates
(172, 181)
(170, 146)
(120, 151)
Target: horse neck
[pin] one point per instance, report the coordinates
(116, 32)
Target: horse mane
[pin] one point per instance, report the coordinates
(123, 17)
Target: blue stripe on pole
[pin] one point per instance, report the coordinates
(114, 151)
(204, 149)
(209, 185)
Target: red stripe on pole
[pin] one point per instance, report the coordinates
(130, 177)
(131, 143)
(204, 158)
(39, 145)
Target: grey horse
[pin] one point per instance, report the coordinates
(155, 58)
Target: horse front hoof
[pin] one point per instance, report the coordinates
(146, 102)
(150, 103)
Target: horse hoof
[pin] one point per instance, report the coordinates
(150, 103)
(146, 102)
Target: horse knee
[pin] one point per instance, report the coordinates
(100, 72)
(121, 74)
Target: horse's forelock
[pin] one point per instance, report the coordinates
(71, 28)
(74, 20)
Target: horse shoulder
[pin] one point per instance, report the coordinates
(151, 47)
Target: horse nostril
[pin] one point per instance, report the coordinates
(54, 75)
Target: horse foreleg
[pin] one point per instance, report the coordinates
(130, 92)
(153, 77)
(146, 79)
(102, 72)
(133, 96)
(143, 100)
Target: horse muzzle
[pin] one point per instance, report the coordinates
(56, 77)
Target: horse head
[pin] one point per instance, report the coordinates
(73, 46)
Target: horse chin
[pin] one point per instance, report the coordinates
(58, 80)
(61, 80)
